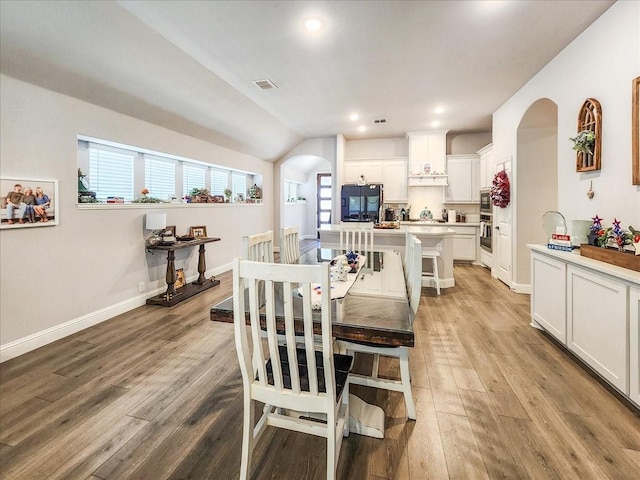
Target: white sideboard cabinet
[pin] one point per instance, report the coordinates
(634, 344)
(593, 308)
(597, 323)
(549, 295)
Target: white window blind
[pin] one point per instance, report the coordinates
(160, 177)
(111, 172)
(219, 182)
(238, 184)
(193, 176)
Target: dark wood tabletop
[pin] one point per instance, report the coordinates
(378, 319)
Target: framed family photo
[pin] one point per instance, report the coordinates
(198, 232)
(28, 202)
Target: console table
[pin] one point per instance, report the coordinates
(173, 295)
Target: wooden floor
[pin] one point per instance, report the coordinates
(156, 393)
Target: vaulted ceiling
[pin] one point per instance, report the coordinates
(190, 65)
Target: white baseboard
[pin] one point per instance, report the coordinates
(52, 334)
(524, 288)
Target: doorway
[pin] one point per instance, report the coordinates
(324, 200)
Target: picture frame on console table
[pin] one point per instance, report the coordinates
(45, 215)
(199, 231)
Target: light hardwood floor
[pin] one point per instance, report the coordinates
(156, 393)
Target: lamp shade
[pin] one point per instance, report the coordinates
(155, 221)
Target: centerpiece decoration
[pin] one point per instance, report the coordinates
(501, 190)
(613, 245)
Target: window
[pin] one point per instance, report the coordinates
(111, 172)
(219, 181)
(115, 170)
(192, 177)
(160, 177)
(290, 191)
(238, 184)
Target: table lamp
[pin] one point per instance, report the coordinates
(156, 222)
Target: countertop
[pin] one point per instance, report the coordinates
(420, 228)
(448, 224)
(577, 259)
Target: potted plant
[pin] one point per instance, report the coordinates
(584, 141)
(199, 195)
(227, 194)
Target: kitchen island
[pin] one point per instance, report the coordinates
(432, 236)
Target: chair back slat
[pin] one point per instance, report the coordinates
(356, 236)
(259, 247)
(283, 280)
(290, 245)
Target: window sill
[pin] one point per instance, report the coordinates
(127, 206)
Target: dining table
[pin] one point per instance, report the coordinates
(374, 310)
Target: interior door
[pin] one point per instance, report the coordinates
(502, 234)
(323, 190)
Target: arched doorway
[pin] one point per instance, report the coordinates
(536, 186)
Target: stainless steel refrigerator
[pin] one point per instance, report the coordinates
(361, 203)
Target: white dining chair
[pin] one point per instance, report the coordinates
(413, 278)
(259, 247)
(356, 236)
(290, 245)
(287, 376)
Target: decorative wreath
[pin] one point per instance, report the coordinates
(501, 190)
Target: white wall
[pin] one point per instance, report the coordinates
(467, 142)
(88, 267)
(600, 64)
(377, 148)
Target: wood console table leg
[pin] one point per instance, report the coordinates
(171, 274)
(202, 266)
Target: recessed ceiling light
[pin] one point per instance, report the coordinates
(313, 24)
(362, 128)
(439, 110)
(435, 123)
(353, 117)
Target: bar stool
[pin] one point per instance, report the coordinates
(433, 255)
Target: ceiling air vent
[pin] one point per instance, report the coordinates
(379, 120)
(265, 84)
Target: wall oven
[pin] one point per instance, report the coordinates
(486, 232)
(485, 201)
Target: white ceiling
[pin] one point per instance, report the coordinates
(189, 65)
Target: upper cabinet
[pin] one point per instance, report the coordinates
(427, 152)
(392, 173)
(486, 166)
(464, 179)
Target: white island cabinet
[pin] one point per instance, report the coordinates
(592, 307)
(433, 237)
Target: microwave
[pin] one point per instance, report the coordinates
(485, 201)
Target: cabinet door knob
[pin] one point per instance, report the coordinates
(497, 227)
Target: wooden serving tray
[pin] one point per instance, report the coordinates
(614, 257)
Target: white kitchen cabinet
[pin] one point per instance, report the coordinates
(394, 179)
(597, 323)
(486, 166)
(427, 147)
(549, 295)
(371, 170)
(465, 243)
(392, 173)
(634, 344)
(464, 173)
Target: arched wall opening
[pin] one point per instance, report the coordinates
(536, 186)
(303, 170)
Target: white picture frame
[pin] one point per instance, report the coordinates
(49, 188)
